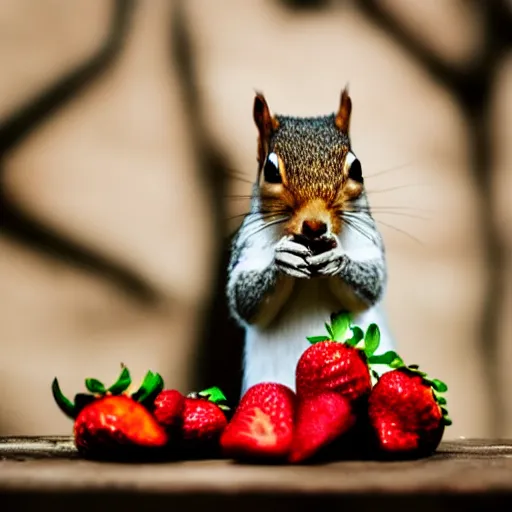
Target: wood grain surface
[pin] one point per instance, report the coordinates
(476, 475)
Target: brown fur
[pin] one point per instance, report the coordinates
(342, 119)
(312, 161)
(267, 124)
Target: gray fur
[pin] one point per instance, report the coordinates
(313, 151)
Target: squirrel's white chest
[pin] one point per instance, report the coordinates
(272, 352)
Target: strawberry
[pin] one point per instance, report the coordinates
(110, 424)
(168, 409)
(203, 421)
(262, 425)
(335, 363)
(114, 423)
(321, 419)
(406, 410)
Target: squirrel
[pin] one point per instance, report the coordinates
(309, 245)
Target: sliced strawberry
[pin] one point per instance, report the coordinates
(262, 426)
(321, 419)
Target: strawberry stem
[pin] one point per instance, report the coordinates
(318, 339)
(122, 383)
(390, 358)
(95, 386)
(371, 340)
(65, 405)
(357, 336)
(340, 323)
(151, 386)
(213, 394)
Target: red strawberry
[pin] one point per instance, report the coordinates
(203, 421)
(109, 423)
(203, 418)
(262, 426)
(168, 409)
(406, 413)
(114, 422)
(333, 366)
(333, 363)
(321, 419)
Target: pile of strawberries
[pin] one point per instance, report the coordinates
(336, 411)
(342, 408)
(152, 422)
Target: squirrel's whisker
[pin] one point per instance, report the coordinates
(385, 171)
(352, 222)
(238, 175)
(403, 214)
(389, 208)
(391, 212)
(354, 215)
(402, 231)
(268, 225)
(397, 187)
(241, 196)
(256, 216)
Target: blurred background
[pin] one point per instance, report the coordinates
(127, 143)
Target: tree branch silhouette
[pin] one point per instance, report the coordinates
(218, 360)
(24, 227)
(471, 85)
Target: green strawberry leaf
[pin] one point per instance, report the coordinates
(340, 322)
(317, 339)
(357, 336)
(414, 366)
(447, 420)
(329, 331)
(213, 394)
(390, 358)
(151, 386)
(441, 400)
(65, 405)
(95, 386)
(122, 383)
(439, 386)
(371, 340)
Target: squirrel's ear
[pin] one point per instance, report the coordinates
(265, 122)
(342, 119)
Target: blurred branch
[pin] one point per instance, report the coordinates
(17, 127)
(219, 354)
(304, 5)
(471, 86)
(407, 38)
(25, 228)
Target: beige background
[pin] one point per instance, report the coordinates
(117, 169)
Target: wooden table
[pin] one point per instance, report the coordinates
(46, 474)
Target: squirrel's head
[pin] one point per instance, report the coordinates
(306, 167)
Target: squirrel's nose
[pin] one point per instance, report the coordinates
(314, 228)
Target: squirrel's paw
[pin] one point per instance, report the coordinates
(329, 263)
(290, 258)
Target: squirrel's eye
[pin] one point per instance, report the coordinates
(355, 171)
(271, 170)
